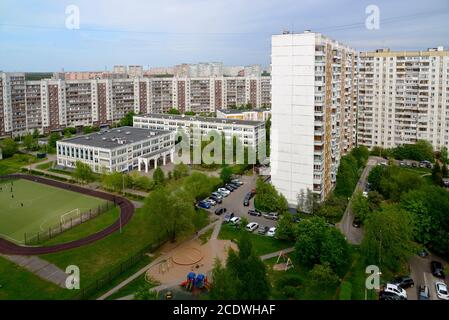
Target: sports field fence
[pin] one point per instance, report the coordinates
(52, 231)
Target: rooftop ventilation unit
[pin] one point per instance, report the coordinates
(128, 132)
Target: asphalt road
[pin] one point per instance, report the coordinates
(421, 274)
(355, 235)
(234, 202)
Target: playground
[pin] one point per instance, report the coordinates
(28, 207)
(190, 264)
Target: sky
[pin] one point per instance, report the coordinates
(34, 36)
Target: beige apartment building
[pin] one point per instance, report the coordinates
(404, 97)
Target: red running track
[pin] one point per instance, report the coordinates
(126, 208)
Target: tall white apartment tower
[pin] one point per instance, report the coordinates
(313, 112)
(404, 97)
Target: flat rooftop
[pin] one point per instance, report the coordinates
(200, 119)
(116, 137)
(236, 111)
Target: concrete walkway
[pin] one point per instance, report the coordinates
(276, 254)
(41, 268)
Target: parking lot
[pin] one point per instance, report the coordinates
(234, 203)
(421, 274)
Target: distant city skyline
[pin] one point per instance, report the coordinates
(161, 34)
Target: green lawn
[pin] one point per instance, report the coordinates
(130, 288)
(15, 163)
(86, 228)
(45, 165)
(19, 284)
(32, 207)
(261, 244)
(97, 259)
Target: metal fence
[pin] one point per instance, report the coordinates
(93, 289)
(52, 231)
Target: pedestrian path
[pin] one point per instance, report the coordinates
(41, 268)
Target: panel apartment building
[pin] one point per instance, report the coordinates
(53, 104)
(404, 97)
(314, 98)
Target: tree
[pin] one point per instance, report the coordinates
(444, 155)
(249, 271)
(347, 176)
(54, 137)
(421, 150)
(444, 171)
(181, 170)
(301, 198)
(35, 134)
(173, 111)
(437, 174)
(29, 142)
(268, 198)
(286, 228)
(317, 243)
(9, 147)
(388, 237)
(226, 174)
(375, 176)
(224, 283)
(360, 206)
(200, 185)
(127, 120)
(322, 276)
(170, 212)
(83, 172)
(159, 177)
(113, 181)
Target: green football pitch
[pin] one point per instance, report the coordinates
(32, 207)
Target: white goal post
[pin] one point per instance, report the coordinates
(68, 216)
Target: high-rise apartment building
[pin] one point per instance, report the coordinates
(53, 104)
(404, 97)
(313, 112)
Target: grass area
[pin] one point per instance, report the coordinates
(131, 288)
(45, 165)
(204, 238)
(87, 228)
(353, 284)
(97, 259)
(15, 163)
(261, 244)
(295, 284)
(32, 207)
(19, 284)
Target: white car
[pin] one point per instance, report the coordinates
(365, 194)
(211, 201)
(225, 192)
(237, 181)
(271, 232)
(235, 220)
(441, 289)
(392, 288)
(252, 226)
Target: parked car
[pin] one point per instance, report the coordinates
(235, 185)
(402, 164)
(441, 289)
(296, 219)
(224, 192)
(218, 195)
(229, 187)
(404, 282)
(252, 226)
(203, 204)
(216, 199)
(252, 212)
(211, 201)
(228, 216)
(246, 200)
(384, 295)
(437, 269)
(271, 232)
(423, 253)
(235, 221)
(220, 211)
(262, 230)
(423, 293)
(237, 181)
(356, 223)
(271, 215)
(392, 288)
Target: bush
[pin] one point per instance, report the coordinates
(293, 280)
